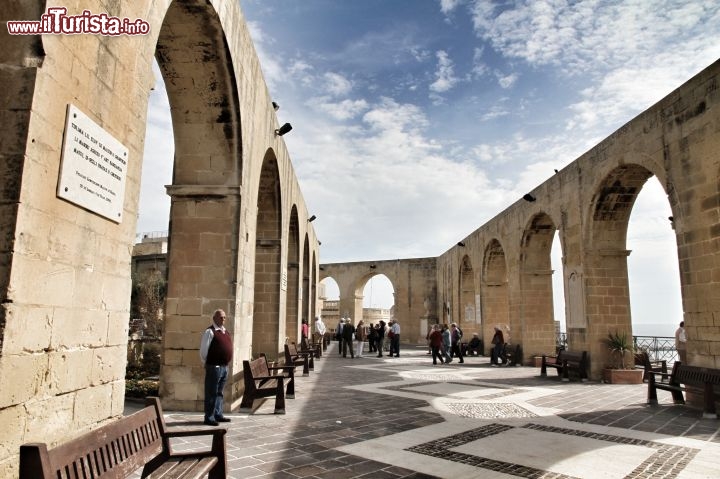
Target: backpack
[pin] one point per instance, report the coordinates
(460, 333)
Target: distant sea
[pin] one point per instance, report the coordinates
(654, 329)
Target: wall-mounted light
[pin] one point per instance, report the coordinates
(372, 266)
(276, 107)
(460, 243)
(283, 129)
(319, 243)
(312, 218)
(528, 197)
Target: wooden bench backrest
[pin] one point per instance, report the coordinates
(642, 359)
(695, 375)
(572, 356)
(254, 369)
(292, 349)
(111, 451)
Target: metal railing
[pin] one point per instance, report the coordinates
(657, 347)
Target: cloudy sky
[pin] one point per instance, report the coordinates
(416, 121)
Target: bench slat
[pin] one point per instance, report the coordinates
(192, 468)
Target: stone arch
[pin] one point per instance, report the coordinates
(358, 292)
(495, 301)
(266, 314)
(22, 55)
(607, 293)
(469, 309)
(536, 321)
(292, 279)
(205, 192)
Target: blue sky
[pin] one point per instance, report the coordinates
(415, 121)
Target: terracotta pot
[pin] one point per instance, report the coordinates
(623, 376)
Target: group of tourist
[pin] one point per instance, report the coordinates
(351, 339)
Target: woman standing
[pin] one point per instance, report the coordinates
(360, 336)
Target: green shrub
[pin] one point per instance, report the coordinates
(141, 388)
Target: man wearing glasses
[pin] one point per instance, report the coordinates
(216, 351)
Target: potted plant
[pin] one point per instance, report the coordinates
(621, 347)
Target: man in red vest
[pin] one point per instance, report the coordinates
(216, 351)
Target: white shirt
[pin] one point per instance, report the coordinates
(320, 327)
(206, 339)
(395, 328)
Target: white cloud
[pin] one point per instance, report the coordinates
(589, 36)
(447, 6)
(507, 81)
(336, 84)
(445, 75)
(343, 110)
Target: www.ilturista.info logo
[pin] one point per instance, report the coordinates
(56, 21)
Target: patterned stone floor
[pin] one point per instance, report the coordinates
(405, 418)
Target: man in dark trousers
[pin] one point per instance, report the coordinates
(347, 336)
(216, 352)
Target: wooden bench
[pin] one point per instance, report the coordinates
(259, 383)
(642, 361)
(683, 378)
(295, 358)
(118, 449)
(565, 362)
(315, 347)
(512, 356)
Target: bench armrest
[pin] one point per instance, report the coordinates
(284, 368)
(181, 431)
(659, 373)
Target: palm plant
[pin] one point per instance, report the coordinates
(621, 344)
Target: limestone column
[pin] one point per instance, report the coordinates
(202, 277)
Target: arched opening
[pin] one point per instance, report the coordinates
(329, 297)
(291, 279)
(469, 317)
(653, 269)
(537, 320)
(305, 304)
(266, 314)
(558, 287)
(376, 295)
(608, 288)
(495, 304)
(313, 288)
(205, 192)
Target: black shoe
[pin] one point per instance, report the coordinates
(223, 419)
(209, 422)
(379, 355)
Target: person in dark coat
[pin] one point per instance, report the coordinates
(380, 337)
(347, 335)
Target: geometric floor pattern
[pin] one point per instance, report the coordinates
(665, 461)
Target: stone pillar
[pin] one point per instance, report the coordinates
(537, 323)
(202, 277)
(607, 305)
